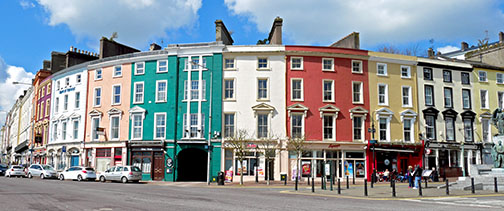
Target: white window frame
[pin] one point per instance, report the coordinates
(156, 125)
(410, 101)
(97, 76)
(188, 95)
(385, 71)
(267, 124)
(501, 76)
(158, 69)
(187, 125)
(332, 64)
(489, 131)
(93, 133)
(292, 114)
(468, 132)
(115, 71)
(267, 89)
(387, 131)
(225, 126)
(133, 126)
(412, 130)
(47, 107)
(485, 101)
(118, 127)
(485, 79)
(230, 68)
(58, 85)
(332, 90)
(292, 63)
(56, 105)
(333, 117)
(77, 100)
(137, 68)
(55, 131)
(450, 126)
(302, 89)
(65, 102)
(361, 95)
(114, 94)
(363, 119)
(385, 97)
(135, 92)
(233, 90)
(165, 91)
(360, 66)
(75, 130)
(409, 71)
(94, 96)
(64, 130)
(267, 63)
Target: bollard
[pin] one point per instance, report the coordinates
(296, 188)
(353, 180)
(308, 180)
(472, 185)
(312, 184)
(447, 188)
(285, 181)
(420, 188)
(347, 183)
(393, 189)
(372, 179)
(425, 182)
(332, 181)
(322, 182)
(365, 187)
(339, 186)
(495, 185)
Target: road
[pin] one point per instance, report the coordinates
(36, 194)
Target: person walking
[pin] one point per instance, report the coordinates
(409, 174)
(418, 176)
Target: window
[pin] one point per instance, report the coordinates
(468, 130)
(191, 130)
(430, 127)
(161, 91)
(296, 125)
(262, 89)
(381, 69)
(297, 89)
(114, 127)
(448, 97)
(450, 128)
(406, 96)
(357, 92)
(427, 74)
(58, 87)
(162, 66)
(139, 68)
(63, 130)
(429, 95)
(328, 90)
(484, 99)
(41, 106)
(229, 89)
(195, 63)
(55, 131)
(78, 78)
(500, 78)
(56, 107)
(405, 72)
(43, 92)
(262, 63)
(97, 96)
(356, 66)
(465, 78)
(229, 63)
(95, 124)
(138, 92)
(160, 126)
(466, 98)
(296, 63)
(447, 76)
(262, 125)
(137, 126)
(117, 71)
(194, 94)
(47, 108)
(116, 94)
(65, 103)
(328, 121)
(76, 129)
(357, 128)
(407, 133)
(67, 82)
(98, 74)
(328, 64)
(48, 88)
(229, 125)
(500, 99)
(77, 100)
(383, 127)
(485, 127)
(482, 76)
(382, 94)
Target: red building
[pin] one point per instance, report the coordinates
(328, 104)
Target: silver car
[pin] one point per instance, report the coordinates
(15, 170)
(121, 173)
(42, 171)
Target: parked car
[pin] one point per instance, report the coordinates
(15, 170)
(3, 169)
(78, 173)
(121, 173)
(42, 171)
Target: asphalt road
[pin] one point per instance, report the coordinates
(36, 194)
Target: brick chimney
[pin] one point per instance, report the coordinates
(350, 41)
(110, 48)
(430, 53)
(222, 34)
(501, 37)
(464, 46)
(275, 35)
(154, 47)
(46, 65)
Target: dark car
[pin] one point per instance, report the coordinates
(3, 169)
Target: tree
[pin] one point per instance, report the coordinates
(262, 42)
(297, 145)
(269, 146)
(238, 143)
(412, 50)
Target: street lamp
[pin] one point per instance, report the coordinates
(372, 130)
(21, 83)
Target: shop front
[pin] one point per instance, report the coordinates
(389, 156)
(453, 159)
(149, 156)
(39, 155)
(103, 155)
(21, 151)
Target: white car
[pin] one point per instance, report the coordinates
(15, 170)
(78, 173)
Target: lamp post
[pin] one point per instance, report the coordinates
(372, 130)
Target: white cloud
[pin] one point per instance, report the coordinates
(11, 92)
(26, 4)
(135, 21)
(448, 48)
(391, 21)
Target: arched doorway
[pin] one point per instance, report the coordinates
(192, 165)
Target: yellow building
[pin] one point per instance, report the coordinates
(394, 112)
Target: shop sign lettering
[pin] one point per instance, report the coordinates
(334, 145)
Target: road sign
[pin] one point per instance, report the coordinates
(372, 141)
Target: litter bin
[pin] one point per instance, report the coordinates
(220, 178)
(283, 177)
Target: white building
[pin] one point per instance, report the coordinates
(25, 126)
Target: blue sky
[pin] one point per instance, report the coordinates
(31, 29)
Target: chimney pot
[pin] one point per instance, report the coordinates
(464, 46)
(71, 48)
(501, 37)
(430, 52)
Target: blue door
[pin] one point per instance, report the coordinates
(74, 161)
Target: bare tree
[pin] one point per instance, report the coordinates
(297, 145)
(238, 143)
(412, 50)
(270, 147)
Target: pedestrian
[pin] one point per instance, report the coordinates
(435, 177)
(418, 176)
(409, 173)
(386, 175)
